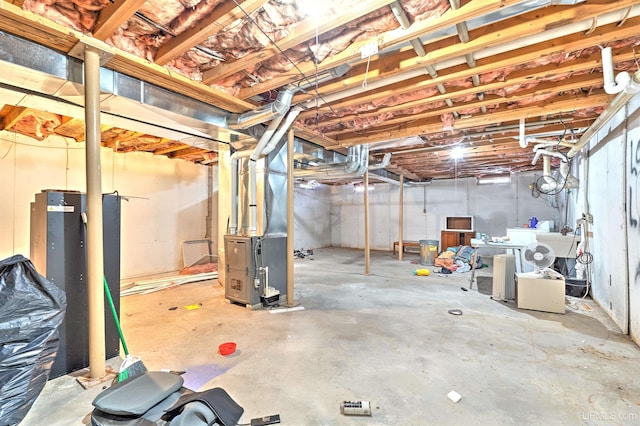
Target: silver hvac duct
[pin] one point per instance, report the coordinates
(357, 163)
(30, 69)
(324, 76)
(274, 111)
(388, 177)
(279, 107)
(355, 166)
(382, 164)
(235, 189)
(267, 143)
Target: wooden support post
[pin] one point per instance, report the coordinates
(401, 218)
(367, 254)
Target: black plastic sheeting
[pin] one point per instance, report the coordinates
(31, 309)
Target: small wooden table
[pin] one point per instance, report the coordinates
(404, 244)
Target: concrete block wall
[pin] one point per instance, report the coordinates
(494, 207)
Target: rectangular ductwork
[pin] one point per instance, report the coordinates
(32, 71)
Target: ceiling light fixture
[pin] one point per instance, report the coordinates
(311, 8)
(359, 187)
(494, 180)
(457, 152)
(312, 184)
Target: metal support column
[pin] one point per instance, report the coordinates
(290, 219)
(401, 218)
(95, 256)
(94, 54)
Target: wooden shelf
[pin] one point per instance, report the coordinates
(455, 238)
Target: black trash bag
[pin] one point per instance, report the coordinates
(31, 309)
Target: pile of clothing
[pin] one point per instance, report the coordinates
(458, 259)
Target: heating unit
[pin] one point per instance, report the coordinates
(504, 272)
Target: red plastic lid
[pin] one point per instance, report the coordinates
(227, 348)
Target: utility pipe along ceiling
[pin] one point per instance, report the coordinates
(413, 78)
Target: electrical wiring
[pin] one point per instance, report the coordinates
(585, 258)
(15, 142)
(6, 153)
(542, 180)
(284, 54)
(545, 179)
(535, 193)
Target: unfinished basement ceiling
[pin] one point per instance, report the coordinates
(422, 75)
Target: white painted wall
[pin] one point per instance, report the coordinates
(632, 194)
(494, 207)
(609, 170)
(605, 194)
(311, 210)
(172, 203)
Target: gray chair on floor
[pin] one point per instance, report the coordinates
(156, 398)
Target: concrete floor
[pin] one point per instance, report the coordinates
(386, 338)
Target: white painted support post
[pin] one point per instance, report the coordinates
(290, 218)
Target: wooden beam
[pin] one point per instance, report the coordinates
(473, 9)
(392, 65)
(401, 171)
(303, 31)
(113, 16)
(189, 150)
(306, 134)
(424, 126)
(47, 33)
(480, 138)
(13, 115)
(490, 65)
(139, 68)
(172, 148)
(577, 82)
(222, 16)
(36, 28)
(586, 80)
